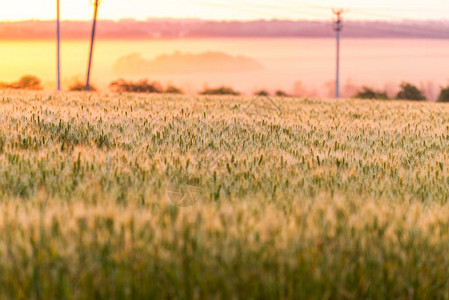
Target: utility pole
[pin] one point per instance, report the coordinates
(58, 37)
(338, 27)
(87, 88)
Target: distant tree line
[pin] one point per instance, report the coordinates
(265, 93)
(161, 28)
(142, 86)
(79, 86)
(407, 91)
(31, 82)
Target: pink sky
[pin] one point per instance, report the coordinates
(229, 9)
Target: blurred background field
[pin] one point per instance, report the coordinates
(300, 66)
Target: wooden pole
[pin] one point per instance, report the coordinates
(58, 37)
(92, 39)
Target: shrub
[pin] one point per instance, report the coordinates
(444, 95)
(263, 93)
(27, 82)
(410, 92)
(142, 86)
(220, 91)
(280, 93)
(368, 93)
(173, 90)
(79, 86)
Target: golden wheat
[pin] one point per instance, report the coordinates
(148, 196)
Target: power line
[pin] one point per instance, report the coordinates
(232, 7)
(364, 8)
(391, 9)
(261, 8)
(307, 4)
(288, 6)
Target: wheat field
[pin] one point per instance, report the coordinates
(123, 196)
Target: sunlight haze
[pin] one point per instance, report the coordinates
(228, 9)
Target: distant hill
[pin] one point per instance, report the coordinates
(173, 28)
(186, 63)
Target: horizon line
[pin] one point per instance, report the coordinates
(387, 20)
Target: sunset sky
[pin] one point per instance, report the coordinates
(228, 9)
